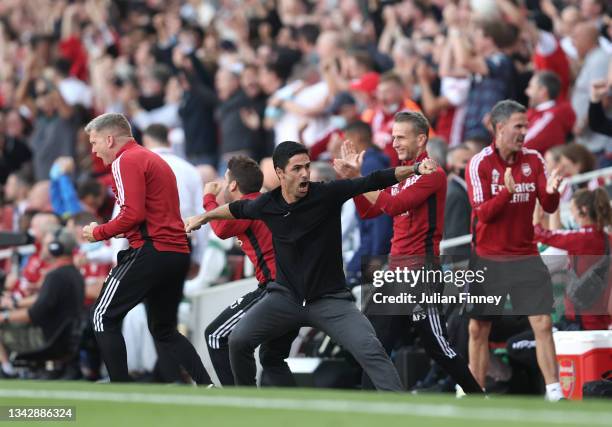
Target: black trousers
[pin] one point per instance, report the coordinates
(155, 277)
(279, 312)
(272, 354)
(431, 327)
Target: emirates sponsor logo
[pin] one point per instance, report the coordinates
(523, 187)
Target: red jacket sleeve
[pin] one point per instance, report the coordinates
(320, 147)
(366, 209)
(224, 229)
(411, 197)
(549, 202)
(485, 205)
(562, 239)
(129, 178)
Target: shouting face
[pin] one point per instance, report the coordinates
(295, 177)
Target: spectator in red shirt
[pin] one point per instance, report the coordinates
(391, 98)
(549, 121)
(344, 112)
(35, 267)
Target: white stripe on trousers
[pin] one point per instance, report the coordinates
(228, 329)
(434, 321)
(213, 340)
(110, 293)
(224, 329)
(107, 292)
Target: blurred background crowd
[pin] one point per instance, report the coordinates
(202, 81)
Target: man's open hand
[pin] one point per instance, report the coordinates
(350, 161)
(509, 180)
(553, 181)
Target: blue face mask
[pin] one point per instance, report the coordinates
(338, 122)
(90, 246)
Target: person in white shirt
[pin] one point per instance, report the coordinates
(190, 186)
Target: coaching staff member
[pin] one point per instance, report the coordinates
(155, 265)
(310, 287)
(417, 208)
(504, 182)
(243, 180)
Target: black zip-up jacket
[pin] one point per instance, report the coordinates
(306, 234)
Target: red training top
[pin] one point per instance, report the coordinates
(417, 207)
(503, 222)
(254, 235)
(581, 245)
(146, 191)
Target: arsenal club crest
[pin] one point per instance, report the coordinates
(526, 169)
(495, 176)
(567, 376)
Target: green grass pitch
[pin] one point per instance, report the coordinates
(135, 405)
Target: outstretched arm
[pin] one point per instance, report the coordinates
(195, 222)
(349, 166)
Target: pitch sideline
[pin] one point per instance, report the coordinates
(355, 406)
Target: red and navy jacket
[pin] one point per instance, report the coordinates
(146, 191)
(585, 247)
(417, 207)
(254, 235)
(502, 221)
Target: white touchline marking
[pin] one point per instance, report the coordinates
(358, 406)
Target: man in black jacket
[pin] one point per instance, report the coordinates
(310, 287)
(58, 303)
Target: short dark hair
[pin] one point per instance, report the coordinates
(360, 128)
(503, 34)
(285, 151)
(551, 82)
(89, 187)
(277, 69)
(309, 32)
(247, 174)
(419, 122)
(503, 110)
(158, 132)
(63, 66)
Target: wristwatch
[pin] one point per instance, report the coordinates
(416, 168)
(5, 316)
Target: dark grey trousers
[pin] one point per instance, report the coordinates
(336, 315)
